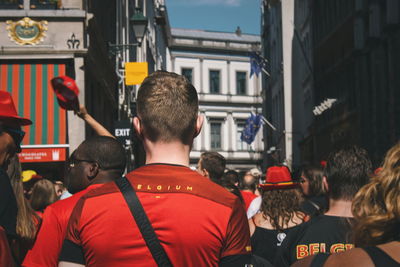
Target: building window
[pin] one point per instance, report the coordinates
(241, 82)
(45, 4)
(215, 135)
(188, 73)
(240, 145)
(214, 81)
(11, 4)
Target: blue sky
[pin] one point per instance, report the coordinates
(215, 15)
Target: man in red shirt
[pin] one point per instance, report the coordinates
(197, 222)
(98, 160)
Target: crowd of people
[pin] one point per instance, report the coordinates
(338, 212)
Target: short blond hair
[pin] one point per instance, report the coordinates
(167, 106)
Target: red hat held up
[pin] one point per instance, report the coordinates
(66, 91)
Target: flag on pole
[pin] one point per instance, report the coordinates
(257, 63)
(251, 128)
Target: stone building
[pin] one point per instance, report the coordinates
(277, 37)
(356, 61)
(218, 65)
(87, 40)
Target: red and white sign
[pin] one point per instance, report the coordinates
(42, 154)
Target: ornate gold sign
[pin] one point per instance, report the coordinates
(27, 31)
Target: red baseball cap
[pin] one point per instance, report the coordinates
(66, 91)
(8, 113)
(278, 177)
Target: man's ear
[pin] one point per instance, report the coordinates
(199, 124)
(93, 170)
(325, 183)
(137, 124)
(206, 173)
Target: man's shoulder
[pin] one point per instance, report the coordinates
(169, 179)
(326, 229)
(178, 179)
(69, 203)
(327, 222)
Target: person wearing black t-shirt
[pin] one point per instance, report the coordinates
(347, 171)
(280, 213)
(376, 233)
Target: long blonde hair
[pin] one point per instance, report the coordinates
(376, 207)
(26, 227)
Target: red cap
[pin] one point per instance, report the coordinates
(323, 163)
(66, 91)
(8, 113)
(278, 177)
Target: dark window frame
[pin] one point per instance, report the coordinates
(212, 89)
(191, 74)
(244, 78)
(216, 144)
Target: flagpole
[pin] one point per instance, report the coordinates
(266, 72)
(267, 122)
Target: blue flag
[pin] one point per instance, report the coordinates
(251, 128)
(256, 63)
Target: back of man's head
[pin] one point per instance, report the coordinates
(232, 176)
(106, 151)
(347, 170)
(167, 106)
(214, 163)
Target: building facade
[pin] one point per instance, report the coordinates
(218, 65)
(356, 60)
(340, 50)
(89, 41)
(40, 40)
(303, 83)
(277, 41)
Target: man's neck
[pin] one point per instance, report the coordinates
(105, 177)
(340, 208)
(170, 153)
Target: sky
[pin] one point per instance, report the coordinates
(215, 15)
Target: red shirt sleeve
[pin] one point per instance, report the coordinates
(48, 242)
(72, 233)
(237, 240)
(71, 250)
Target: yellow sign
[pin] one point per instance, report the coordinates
(135, 72)
(27, 31)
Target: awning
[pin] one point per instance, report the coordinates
(34, 98)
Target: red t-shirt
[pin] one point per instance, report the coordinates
(248, 198)
(196, 221)
(49, 241)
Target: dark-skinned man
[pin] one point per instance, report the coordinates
(96, 161)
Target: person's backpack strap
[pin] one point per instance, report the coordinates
(319, 260)
(142, 221)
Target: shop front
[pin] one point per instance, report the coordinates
(45, 146)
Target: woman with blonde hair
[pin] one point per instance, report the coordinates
(27, 220)
(376, 210)
(43, 194)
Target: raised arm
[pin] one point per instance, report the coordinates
(96, 126)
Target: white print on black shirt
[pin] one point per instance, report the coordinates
(280, 237)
